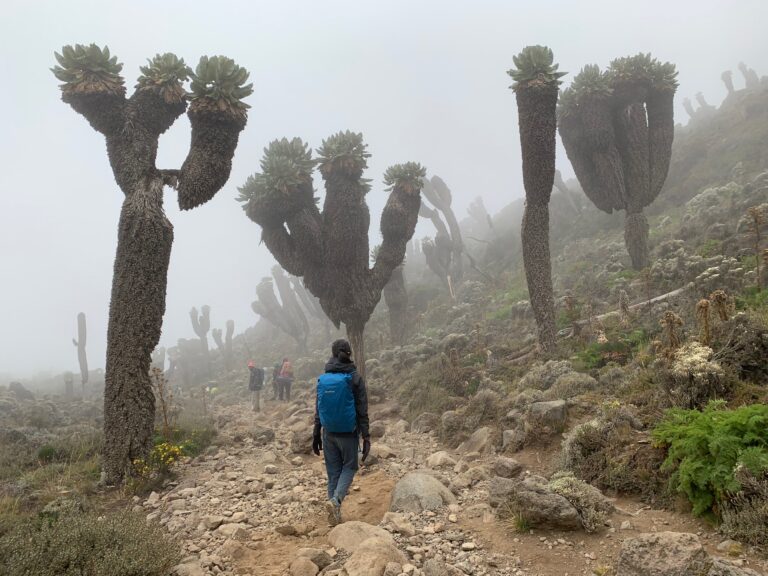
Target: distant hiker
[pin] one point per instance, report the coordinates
(285, 380)
(341, 419)
(255, 384)
(275, 376)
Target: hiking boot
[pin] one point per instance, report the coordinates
(334, 512)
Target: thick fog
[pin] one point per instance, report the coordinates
(422, 81)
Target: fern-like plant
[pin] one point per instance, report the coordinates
(704, 449)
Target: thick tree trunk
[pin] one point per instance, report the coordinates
(136, 310)
(396, 297)
(535, 236)
(355, 333)
(537, 118)
(636, 239)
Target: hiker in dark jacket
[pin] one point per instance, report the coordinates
(341, 419)
(255, 384)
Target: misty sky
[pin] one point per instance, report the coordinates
(423, 81)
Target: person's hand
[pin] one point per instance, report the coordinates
(317, 443)
(366, 448)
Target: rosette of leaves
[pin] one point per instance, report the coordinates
(88, 69)
(409, 175)
(343, 152)
(220, 84)
(165, 73)
(535, 66)
(284, 185)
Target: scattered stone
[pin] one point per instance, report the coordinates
(663, 554)
(425, 422)
(303, 567)
(349, 535)
(372, 557)
(262, 435)
(541, 507)
(506, 467)
(319, 558)
(480, 441)
(440, 459)
(417, 491)
(301, 441)
(270, 469)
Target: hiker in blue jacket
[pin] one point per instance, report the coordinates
(341, 419)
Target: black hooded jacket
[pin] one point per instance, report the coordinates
(359, 393)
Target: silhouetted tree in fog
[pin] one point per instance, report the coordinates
(617, 127)
(330, 250)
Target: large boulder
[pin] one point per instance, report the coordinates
(301, 441)
(372, 556)
(349, 535)
(533, 501)
(506, 467)
(500, 489)
(418, 491)
(663, 554)
(481, 441)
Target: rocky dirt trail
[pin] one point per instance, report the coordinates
(253, 505)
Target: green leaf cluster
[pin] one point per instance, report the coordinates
(645, 69)
(409, 173)
(218, 78)
(344, 146)
(88, 65)
(535, 64)
(705, 448)
(164, 70)
(285, 165)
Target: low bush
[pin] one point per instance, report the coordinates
(704, 449)
(691, 379)
(121, 544)
(605, 452)
(745, 513)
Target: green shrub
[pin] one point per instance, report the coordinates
(751, 298)
(705, 447)
(121, 544)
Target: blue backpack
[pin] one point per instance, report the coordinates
(336, 403)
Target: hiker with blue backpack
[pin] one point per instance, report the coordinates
(341, 419)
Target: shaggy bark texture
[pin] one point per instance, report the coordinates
(132, 128)
(396, 297)
(536, 106)
(82, 358)
(136, 311)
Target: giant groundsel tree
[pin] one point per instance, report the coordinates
(92, 86)
(330, 249)
(536, 81)
(617, 127)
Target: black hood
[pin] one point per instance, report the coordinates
(336, 365)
